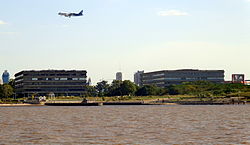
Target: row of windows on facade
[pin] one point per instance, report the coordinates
(198, 78)
(53, 90)
(51, 83)
(56, 79)
(58, 74)
(182, 73)
(36, 75)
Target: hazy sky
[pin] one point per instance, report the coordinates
(125, 35)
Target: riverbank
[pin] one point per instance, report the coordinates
(19, 105)
(146, 102)
(137, 100)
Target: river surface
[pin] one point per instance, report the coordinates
(228, 124)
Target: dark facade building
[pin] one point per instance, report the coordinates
(169, 77)
(44, 82)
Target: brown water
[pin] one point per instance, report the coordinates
(126, 125)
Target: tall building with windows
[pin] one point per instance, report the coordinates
(170, 77)
(44, 82)
(138, 78)
(6, 77)
(119, 76)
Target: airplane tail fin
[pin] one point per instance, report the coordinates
(81, 12)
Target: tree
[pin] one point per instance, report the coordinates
(115, 88)
(102, 88)
(7, 90)
(90, 91)
(1, 91)
(128, 88)
(12, 83)
(147, 90)
(173, 90)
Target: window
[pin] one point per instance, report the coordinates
(34, 79)
(173, 78)
(215, 78)
(82, 79)
(158, 79)
(156, 75)
(74, 79)
(63, 79)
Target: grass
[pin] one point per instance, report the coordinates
(173, 98)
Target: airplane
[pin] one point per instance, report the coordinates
(70, 14)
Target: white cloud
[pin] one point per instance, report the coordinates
(2, 22)
(172, 13)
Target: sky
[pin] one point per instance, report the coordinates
(125, 35)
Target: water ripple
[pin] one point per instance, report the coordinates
(125, 125)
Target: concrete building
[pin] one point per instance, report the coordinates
(119, 76)
(169, 77)
(138, 78)
(6, 77)
(44, 82)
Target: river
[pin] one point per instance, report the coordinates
(226, 124)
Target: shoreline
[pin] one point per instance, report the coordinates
(19, 105)
(107, 103)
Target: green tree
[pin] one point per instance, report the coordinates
(115, 88)
(7, 90)
(173, 90)
(102, 88)
(12, 83)
(128, 88)
(90, 91)
(1, 91)
(147, 90)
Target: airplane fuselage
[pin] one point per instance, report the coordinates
(70, 14)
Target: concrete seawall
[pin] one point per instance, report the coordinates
(94, 103)
(19, 105)
(73, 104)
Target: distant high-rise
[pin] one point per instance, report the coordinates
(89, 82)
(119, 76)
(6, 77)
(137, 78)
